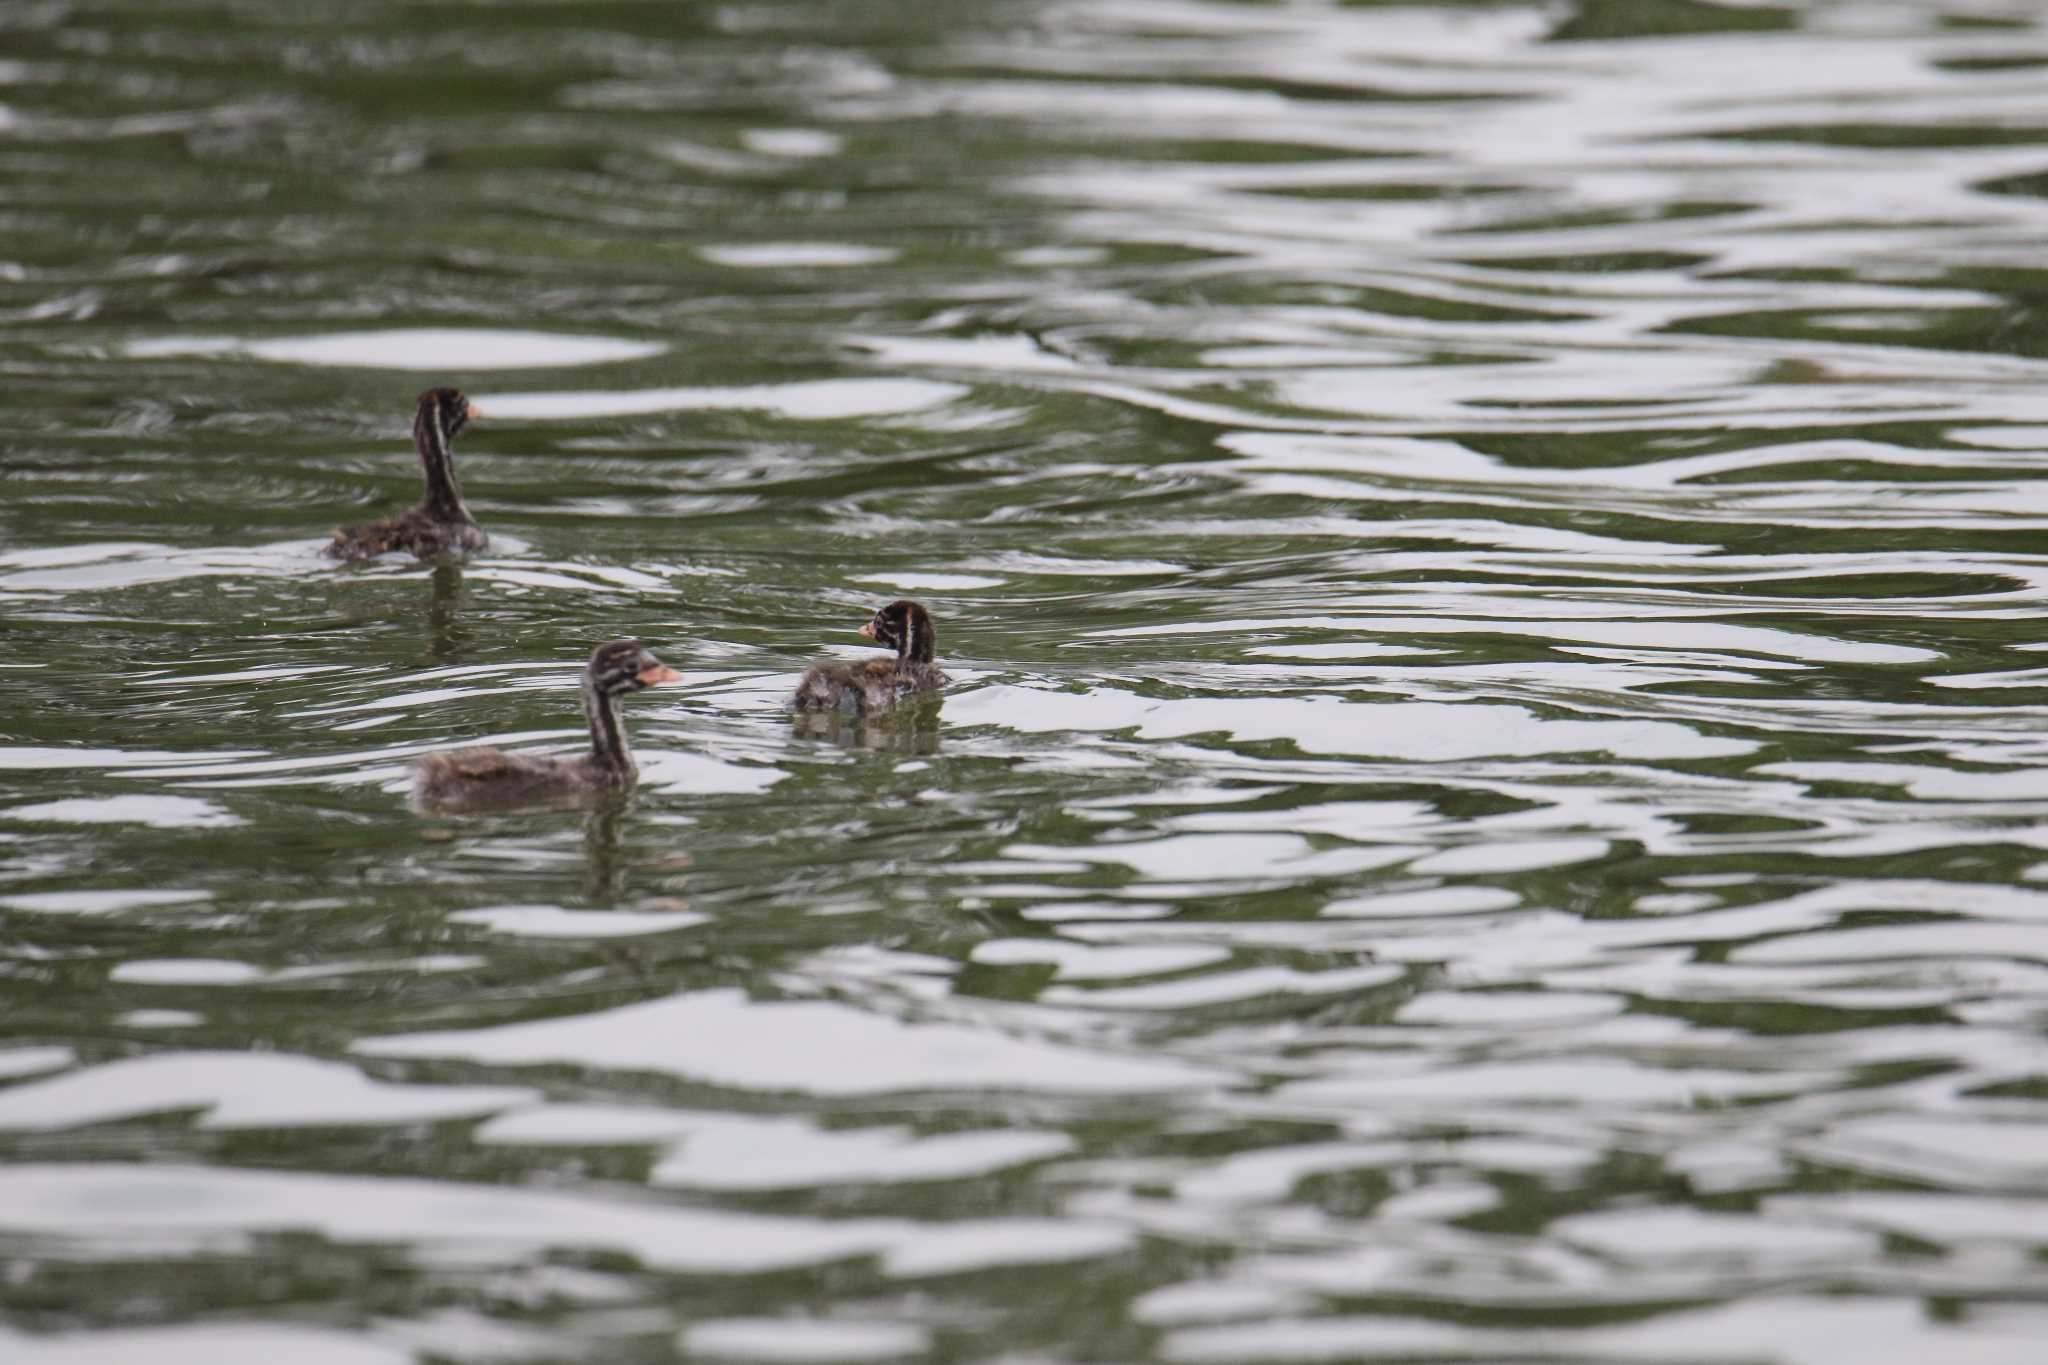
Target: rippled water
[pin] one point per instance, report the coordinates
(1493, 802)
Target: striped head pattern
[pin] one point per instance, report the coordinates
(622, 666)
(444, 411)
(906, 627)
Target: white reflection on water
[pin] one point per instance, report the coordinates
(821, 400)
(1424, 731)
(1791, 1330)
(438, 350)
(101, 1208)
(241, 1090)
(162, 812)
(793, 142)
(552, 921)
(720, 1151)
(796, 255)
(1083, 962)
(100, 902)
(27, 1061)
(216, 1343)
(814, 1046)
(800, 1339)
(206, 971)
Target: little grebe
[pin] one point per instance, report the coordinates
(873, 684)
(465, 777)
(441, 524)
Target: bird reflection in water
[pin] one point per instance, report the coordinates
(909, 728)
(604, 870)
(447, 638)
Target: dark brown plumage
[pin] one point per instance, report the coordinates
(441, 524)
(479, 777)
(875, 684)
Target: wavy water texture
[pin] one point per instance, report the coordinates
(1492, 805)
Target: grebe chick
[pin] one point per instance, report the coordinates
(875, 684)
(441, 524)
(475, 777)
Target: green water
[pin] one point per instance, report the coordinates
(1492, 803)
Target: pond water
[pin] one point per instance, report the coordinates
(1492, 806)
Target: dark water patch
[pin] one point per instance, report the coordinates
(1902, 136)
(1595, 20)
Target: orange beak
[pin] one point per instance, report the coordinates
(657, 675)
(867, 632)
(475, 412)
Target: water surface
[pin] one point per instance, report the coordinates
(1493, 803)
